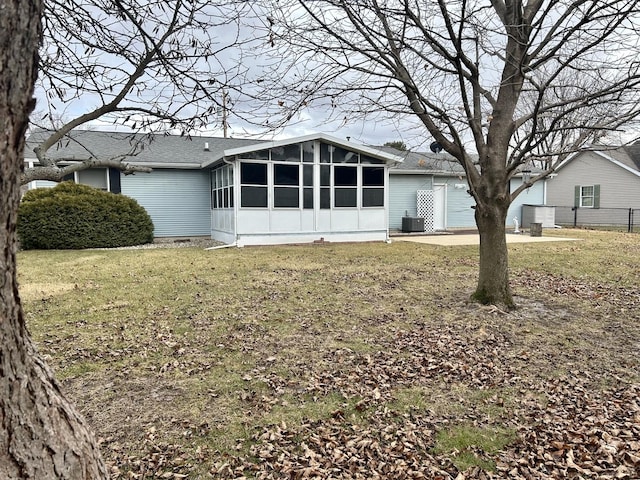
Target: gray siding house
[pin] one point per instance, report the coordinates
(595, 182)
(451, 205)
(598, 179)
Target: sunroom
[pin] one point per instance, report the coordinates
(308, 189)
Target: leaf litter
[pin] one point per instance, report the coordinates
(372, 394)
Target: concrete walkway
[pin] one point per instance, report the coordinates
(474, 239)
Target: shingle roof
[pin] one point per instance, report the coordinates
(633, 153)
(425, 162)
(159, 149)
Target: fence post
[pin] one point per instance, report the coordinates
(575, 216)
(630, 228)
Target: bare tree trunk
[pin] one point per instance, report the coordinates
(493, 280)
(41, 435)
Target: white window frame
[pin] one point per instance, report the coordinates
(583, 196)
(76, 178)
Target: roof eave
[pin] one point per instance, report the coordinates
(184, 166)
(599, 153)
(208, 163)
(426, 172)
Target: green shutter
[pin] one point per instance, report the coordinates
(596, 196)
(576, 199)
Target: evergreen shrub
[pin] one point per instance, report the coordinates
(73, 216)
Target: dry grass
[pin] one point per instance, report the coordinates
(191, 353)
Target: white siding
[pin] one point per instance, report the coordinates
(222, 223)
(266, 227)
(178, 201)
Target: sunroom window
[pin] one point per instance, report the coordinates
(222, 187)
(307, 181)
(286, 190)
(286, 153)
(372, 186)
(325, 187)
(345, 183)
(253, 190)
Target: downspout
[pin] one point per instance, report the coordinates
(387, 195)
(218, 247)
(387, 199)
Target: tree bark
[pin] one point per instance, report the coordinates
(493, 279)
(41, 435)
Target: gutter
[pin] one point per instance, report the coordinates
(447, 173)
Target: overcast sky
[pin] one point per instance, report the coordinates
(313, 120)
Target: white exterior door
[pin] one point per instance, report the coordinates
(440, 207)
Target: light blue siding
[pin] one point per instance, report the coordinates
(531, 196)
(403, 196)
(459, 211)
(459, 202)
(178, 201)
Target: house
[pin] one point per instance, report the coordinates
(438, 180)
(304, 189)
(598, 186)
(244, 191)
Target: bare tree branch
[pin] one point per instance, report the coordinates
(521, 83)
(147, 67)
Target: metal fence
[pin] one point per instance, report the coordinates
(626, 218)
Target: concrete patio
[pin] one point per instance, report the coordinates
(474, 239)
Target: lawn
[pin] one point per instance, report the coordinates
(347, 360)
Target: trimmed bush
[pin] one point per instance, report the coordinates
(73, 216)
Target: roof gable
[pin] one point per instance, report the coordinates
(633, 152)
(371, 151)
(619, 156)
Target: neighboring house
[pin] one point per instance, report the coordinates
(596, 182)
(438, 180)
(242, 191)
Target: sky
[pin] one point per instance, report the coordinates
(371, 131)
(312, 120)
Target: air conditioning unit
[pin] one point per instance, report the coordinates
(412, 224)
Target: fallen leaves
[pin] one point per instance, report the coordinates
(566, 427)
(357, 373)
(582, 433)
(388, 447)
